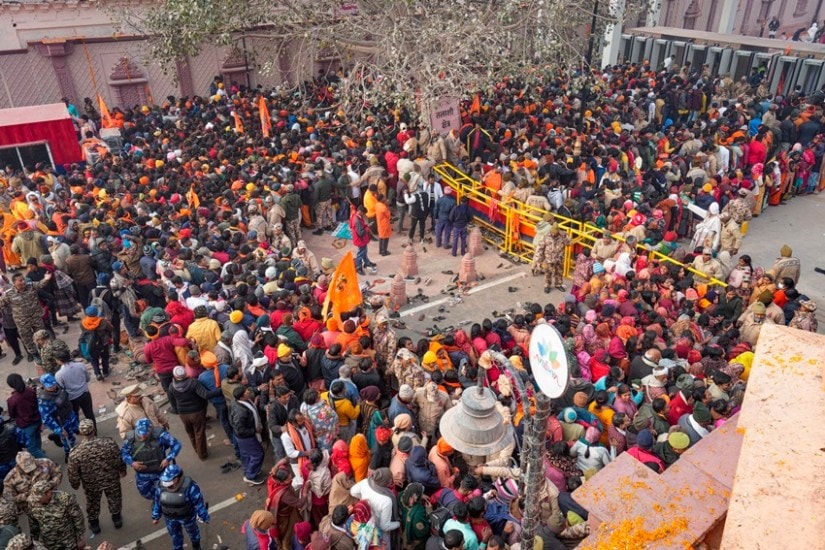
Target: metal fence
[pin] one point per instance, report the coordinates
(510, 225)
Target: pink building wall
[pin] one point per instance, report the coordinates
(67, 48)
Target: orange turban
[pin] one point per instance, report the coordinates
(625, 332)
(444, 447)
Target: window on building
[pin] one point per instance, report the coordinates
(25, 156)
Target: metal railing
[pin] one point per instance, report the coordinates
(510, 225)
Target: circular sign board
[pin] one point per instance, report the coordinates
(548, 360)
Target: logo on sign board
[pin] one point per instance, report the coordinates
(548, 360)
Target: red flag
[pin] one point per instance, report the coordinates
(475, 108)
(266, 122)
(238, 122)
(105, 118)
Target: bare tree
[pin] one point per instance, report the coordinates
(396, 52)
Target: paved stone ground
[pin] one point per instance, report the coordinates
(799, 223)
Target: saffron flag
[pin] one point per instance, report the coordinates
(238, 122)
(192, 197)
(344, 293)
(266, 122)
(475, 108)
(105, 118)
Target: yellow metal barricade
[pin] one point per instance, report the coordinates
(498, 224)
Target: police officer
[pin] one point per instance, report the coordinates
(96, 463)
(180, 501)
(148, 450)
(57, 412)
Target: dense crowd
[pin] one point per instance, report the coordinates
(185, 248)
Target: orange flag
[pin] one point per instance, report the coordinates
(266, 122)
(105, 118)
(192, 197)
(344, 293)
(238, 122)
(475, 108)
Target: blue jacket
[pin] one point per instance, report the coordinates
(194, 498)
(443, 207)
(461, 216)
(207, 378)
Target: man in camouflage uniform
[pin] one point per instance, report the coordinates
(25, 309)
(50, 349)
(291, 203)
(549, 256)
(8, 512)
(740, 209)
(24, 542)
(96, 463)
(59, 515)
(406, 370)
(62, 420)
(18, 483)
(384, 340)
(322, 196)
(148, 450)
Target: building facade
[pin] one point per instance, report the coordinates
(55, 49)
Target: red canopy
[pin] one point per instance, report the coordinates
(41, 123)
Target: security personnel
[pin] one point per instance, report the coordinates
(148, 450)
(96, 463)
(180, 501)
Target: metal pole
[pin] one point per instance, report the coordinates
(534, 472)
(592, 42)
(532, 453)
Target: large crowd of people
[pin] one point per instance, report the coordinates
(188, 248)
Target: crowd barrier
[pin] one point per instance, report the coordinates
(511, 225)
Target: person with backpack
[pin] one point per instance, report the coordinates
(108, 306)
(95, 337)
(57, 413)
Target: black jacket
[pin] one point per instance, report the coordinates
(242, 420)
(190, 396)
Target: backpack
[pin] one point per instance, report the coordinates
(100, 303)
(89, 344)
(438, 518)
(63, 406)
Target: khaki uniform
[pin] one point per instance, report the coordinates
(128, 415)
(731, 237)
(782, 267)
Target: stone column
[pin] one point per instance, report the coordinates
(58, 51)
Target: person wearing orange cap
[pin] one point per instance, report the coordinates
(440, 457)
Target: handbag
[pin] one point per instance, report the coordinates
(63, 280)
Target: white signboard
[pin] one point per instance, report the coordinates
(445, 115)
(548, 361)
